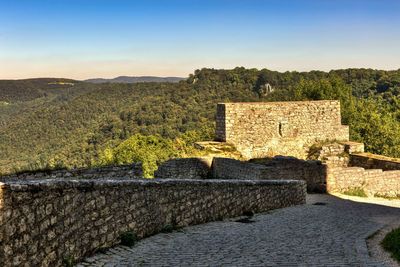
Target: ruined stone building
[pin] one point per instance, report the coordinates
(279, 128)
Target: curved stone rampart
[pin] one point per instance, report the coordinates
(45, 221)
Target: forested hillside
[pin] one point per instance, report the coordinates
(64, 123)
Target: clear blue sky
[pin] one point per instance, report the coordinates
(105, 38)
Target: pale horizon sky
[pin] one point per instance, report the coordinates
(82, 39)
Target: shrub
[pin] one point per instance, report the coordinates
(150, 150)
(391, 243)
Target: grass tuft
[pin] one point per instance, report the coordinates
(356, 191)
(387, 196)
(69, 261)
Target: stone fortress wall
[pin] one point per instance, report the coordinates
(293, 129)
(43, 222)
(279, 128)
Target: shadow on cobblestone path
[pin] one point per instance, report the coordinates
(333, 234)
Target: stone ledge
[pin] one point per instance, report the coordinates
(55, 184)
(373, 161)
(133, 170)
(375, 156)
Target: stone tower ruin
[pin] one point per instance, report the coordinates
(279, 128)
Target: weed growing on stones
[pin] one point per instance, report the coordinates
(128, 239)
(356, 191)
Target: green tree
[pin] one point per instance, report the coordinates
(151, 150)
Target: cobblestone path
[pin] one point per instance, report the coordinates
(328, 231)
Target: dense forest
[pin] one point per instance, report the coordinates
(55, 123)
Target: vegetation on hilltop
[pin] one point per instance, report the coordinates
(46, 124)
(136, 79)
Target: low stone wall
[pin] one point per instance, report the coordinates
(278, 168)
(44, 221)
(126, 171)
(311, 171)
(372, 161)
(185, 168)
(227, 168)
(374, 182)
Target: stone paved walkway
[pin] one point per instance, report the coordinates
(310, 235)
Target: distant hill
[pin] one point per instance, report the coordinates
(29, 89)
(138, 79)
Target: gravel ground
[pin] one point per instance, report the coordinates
(327, 231)
(373, 242)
